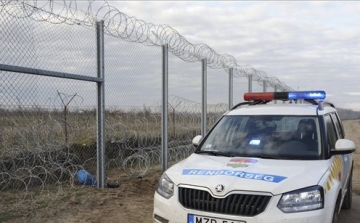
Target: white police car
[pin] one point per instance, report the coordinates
(265, 163)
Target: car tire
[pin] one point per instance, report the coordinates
(336, 211)
(348, 196)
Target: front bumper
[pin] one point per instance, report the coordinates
(171, 211)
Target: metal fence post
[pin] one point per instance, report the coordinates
(231, 86)
(250, 83)
(100, 105)
(275, 90)
(164, 115)
(204, 97)
(264, 86)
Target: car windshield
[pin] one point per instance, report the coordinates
(266, 136)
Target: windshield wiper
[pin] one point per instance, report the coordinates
(258, 155)
(215, 153)
(268, 157)
(262, 156)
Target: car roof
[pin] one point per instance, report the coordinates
(281, 108)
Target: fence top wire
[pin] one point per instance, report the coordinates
(131, 29)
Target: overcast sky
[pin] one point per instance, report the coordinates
(307, 45)
(311, 45)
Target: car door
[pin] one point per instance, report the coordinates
(346, 158)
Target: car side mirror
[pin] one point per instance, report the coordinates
(196, 140)
(344, 146)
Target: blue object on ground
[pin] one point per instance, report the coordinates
(85, 178)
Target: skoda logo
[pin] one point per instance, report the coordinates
(219, 188)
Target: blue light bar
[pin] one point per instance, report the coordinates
(306, 95)
(294, 95)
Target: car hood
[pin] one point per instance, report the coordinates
(247, 174)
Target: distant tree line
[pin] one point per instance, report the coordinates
(348, 114)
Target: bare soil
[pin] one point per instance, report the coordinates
(132, 201)
(352, 132)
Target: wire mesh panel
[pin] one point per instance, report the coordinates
(240, 87)
(133, 120)
(218, 95)
(47, 124)
(184, 114)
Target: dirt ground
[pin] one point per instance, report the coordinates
(352, 132)
(133, 200)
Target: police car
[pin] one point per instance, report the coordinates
(264, 161)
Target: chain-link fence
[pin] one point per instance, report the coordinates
(49, 125)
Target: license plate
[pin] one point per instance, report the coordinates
(203, 219)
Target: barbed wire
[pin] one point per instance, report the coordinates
(43, 147)
(35, 157)
(118, 24)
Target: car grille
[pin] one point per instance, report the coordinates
(234, 204)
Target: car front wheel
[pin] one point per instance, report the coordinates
(348, 196)
(336, 211)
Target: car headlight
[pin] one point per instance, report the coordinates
(306, 199)
(165, 187)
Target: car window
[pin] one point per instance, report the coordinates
(338, 125)
(282, 137)
(331, 133)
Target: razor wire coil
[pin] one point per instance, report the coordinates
(131, 29)
(40, 162)
(43, 148)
